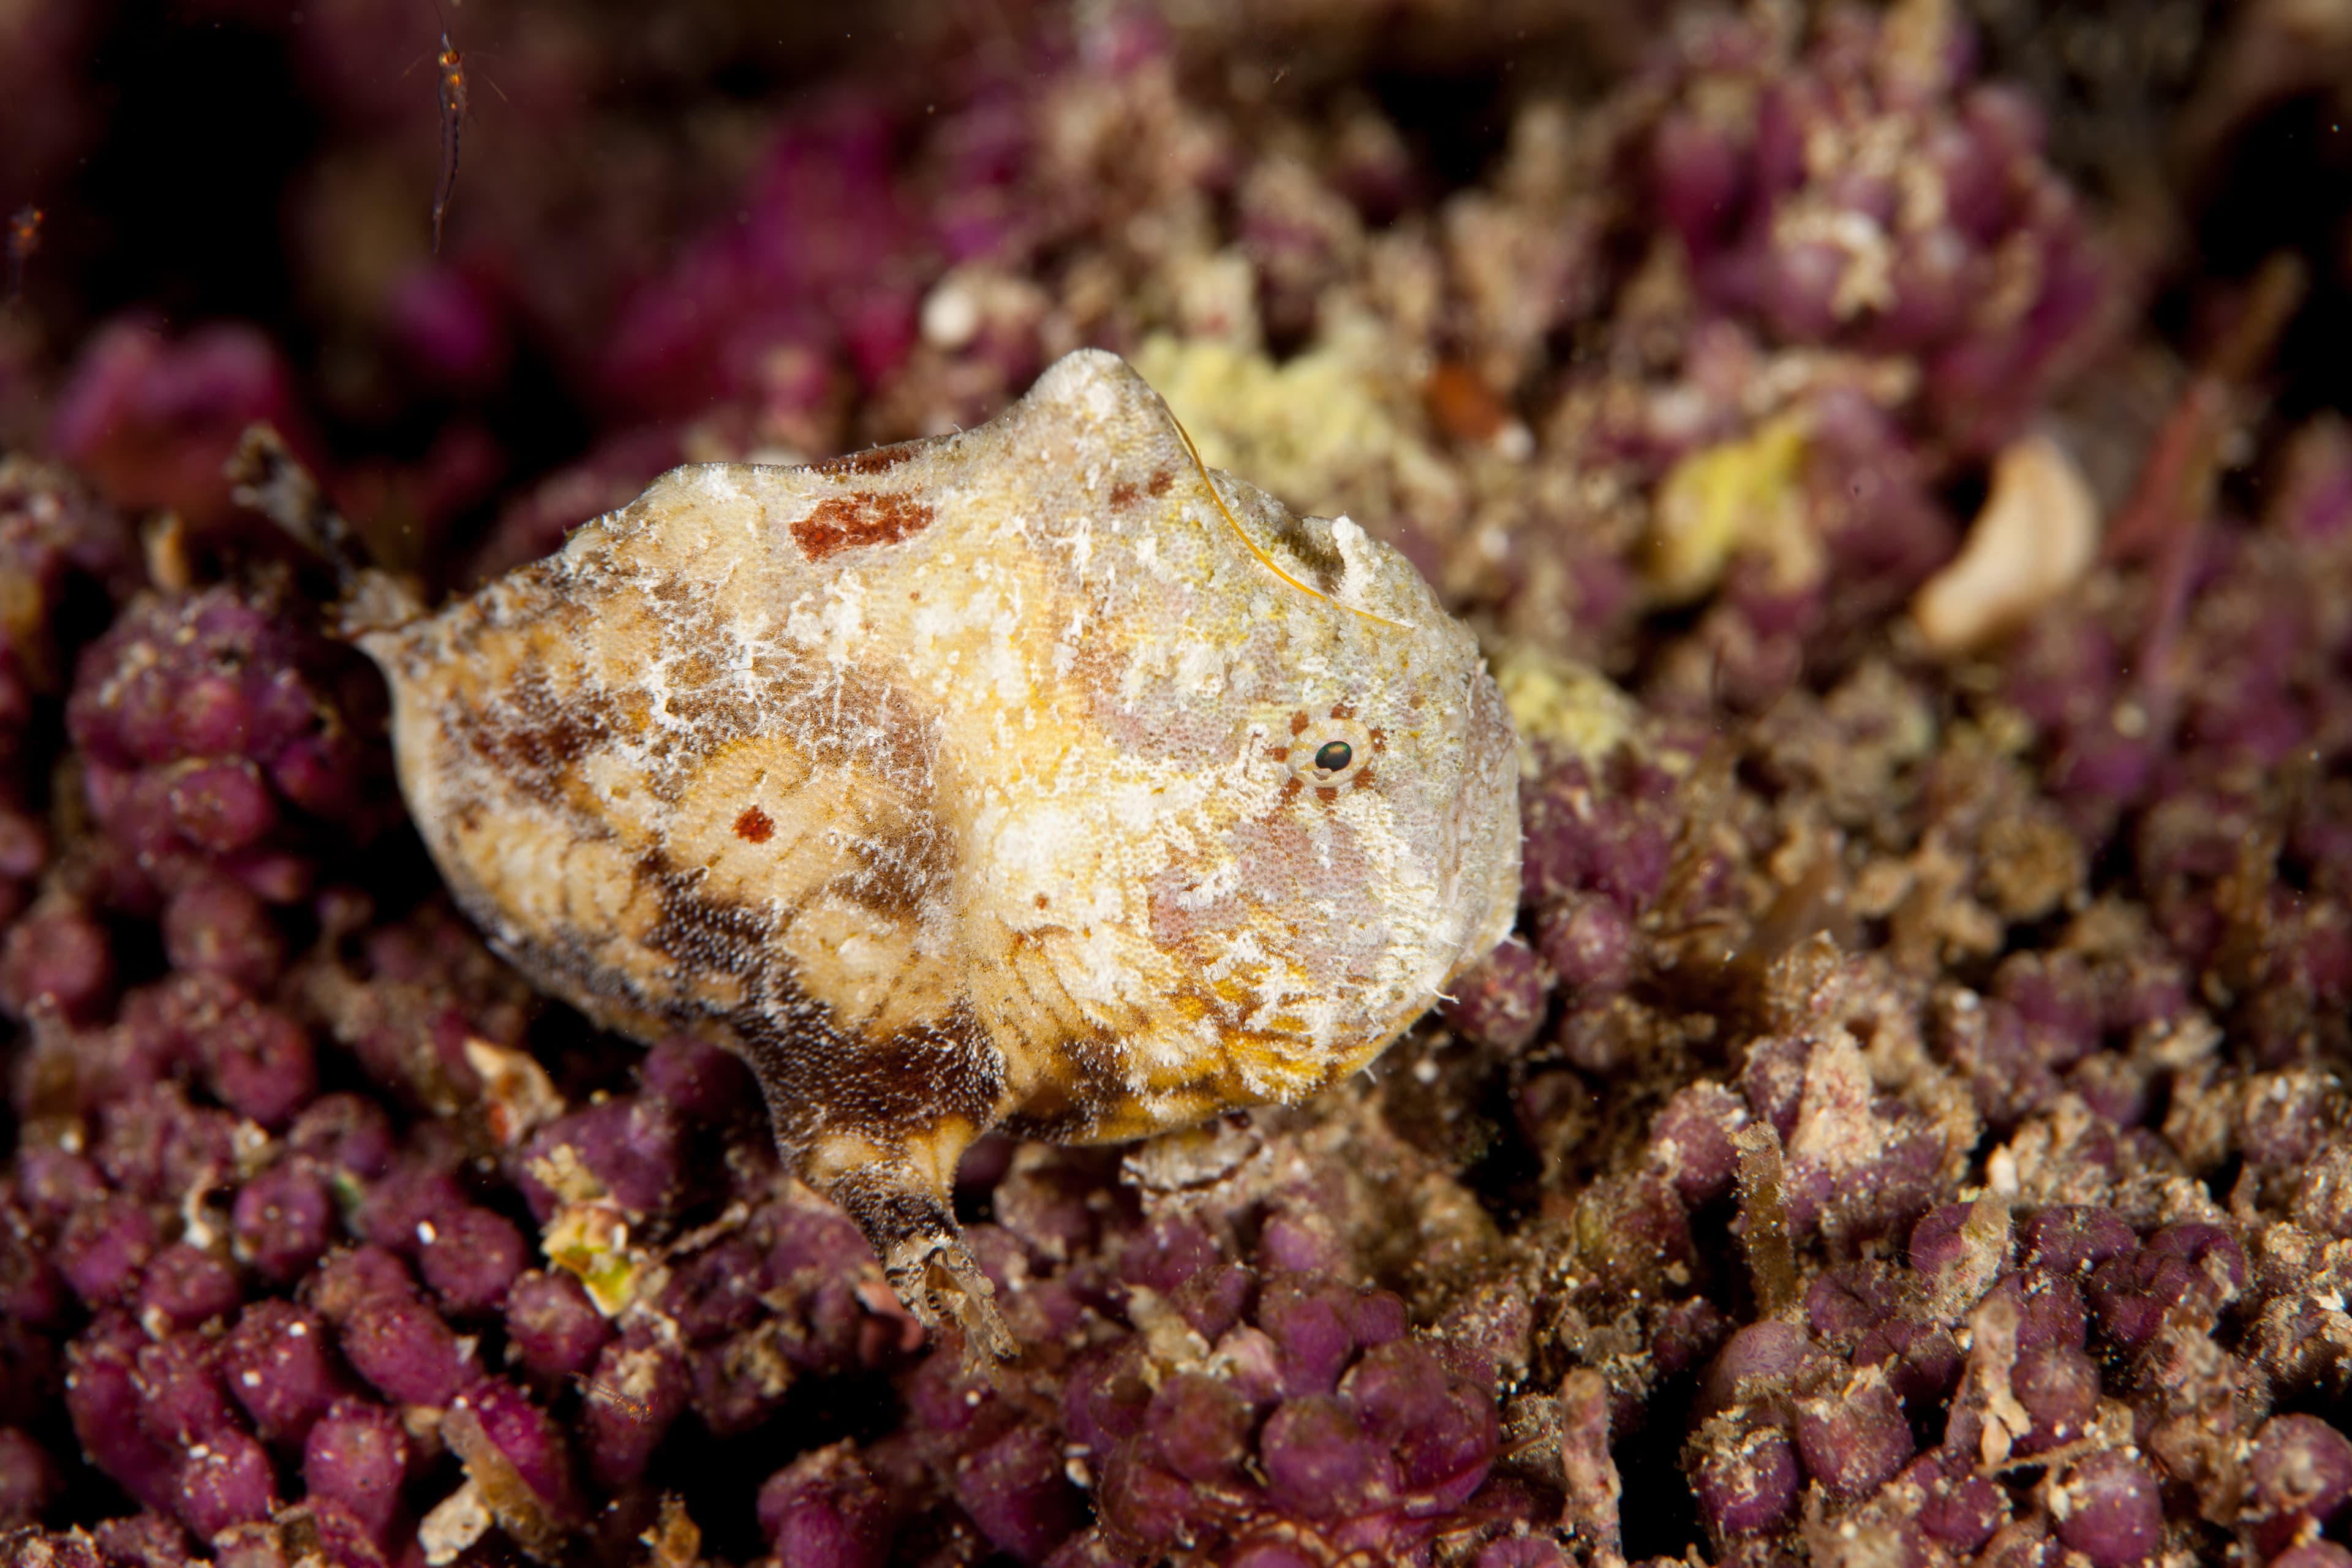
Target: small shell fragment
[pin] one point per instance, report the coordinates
(2037, 535)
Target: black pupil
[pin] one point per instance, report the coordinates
(1333, 755)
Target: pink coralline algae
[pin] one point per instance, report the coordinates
(151, 420)
(219, 736)
(1346, 1440)
(1792, 215)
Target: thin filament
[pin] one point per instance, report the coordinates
(1251, 544)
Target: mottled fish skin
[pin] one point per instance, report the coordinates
(971, 781)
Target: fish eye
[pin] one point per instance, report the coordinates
(1329, 752)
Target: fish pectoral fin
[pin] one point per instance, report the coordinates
(924, 1255)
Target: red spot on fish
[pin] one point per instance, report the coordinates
(873, 460)
(843, 522)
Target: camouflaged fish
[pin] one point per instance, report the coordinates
(1034, 777)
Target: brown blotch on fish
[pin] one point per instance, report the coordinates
(907, 1079)
(867, 517)
(755, 825)
(707, 933)
(895, 874)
